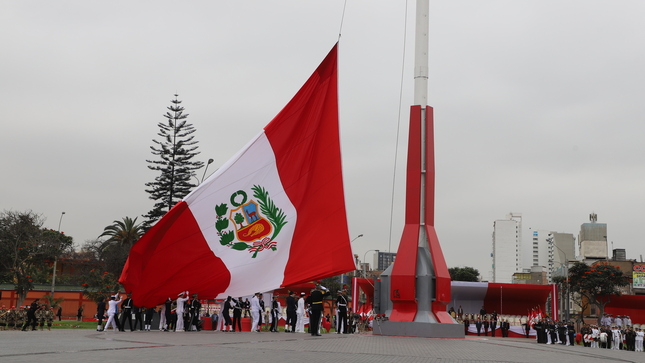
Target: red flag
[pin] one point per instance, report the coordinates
(272, 216)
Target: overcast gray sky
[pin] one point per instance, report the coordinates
(538, 106)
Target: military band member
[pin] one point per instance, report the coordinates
(40, 317)
(12, 314)
(21, 318)
(49, 317)
(3, 317)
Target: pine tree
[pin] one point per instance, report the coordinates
(175, 151)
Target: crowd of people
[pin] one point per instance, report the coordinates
(32, 317)
(119, 312)
(613, 333)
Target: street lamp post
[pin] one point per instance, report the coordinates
(566, 274)
(56, 260)
(210, 161)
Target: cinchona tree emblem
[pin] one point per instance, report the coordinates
(256, 222)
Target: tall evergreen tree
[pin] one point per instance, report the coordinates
(175, 150)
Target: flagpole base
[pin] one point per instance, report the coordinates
(417, 329)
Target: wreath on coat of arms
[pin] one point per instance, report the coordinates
(257, 222)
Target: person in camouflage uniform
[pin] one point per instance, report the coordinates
(3, 317)
(40, 317)
(11, 318)
(49, 317)
(21, 318)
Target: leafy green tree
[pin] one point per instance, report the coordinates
(464, 274)
(27, 249)
(174, 151)
(597, 284)
(97, 284)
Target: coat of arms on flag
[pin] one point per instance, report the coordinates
(252, 226)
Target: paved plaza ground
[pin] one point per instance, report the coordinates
(208, 346)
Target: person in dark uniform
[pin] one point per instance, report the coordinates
(562, 333)
(150, 313)
(138, 316)
(292, 317)
(341, 305)
(478, 326)
(275, 312)
(540, 332)
(262, 311)
(195, 308)
(31, 315)
(552, 332)
(168, 311)
(237, 314)
(571, 332)
(228, 323)
(466, 325)
(493, 324)
(100, 313)
(126, 312)
(486, 324)
(315, 301)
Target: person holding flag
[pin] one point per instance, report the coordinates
(181, 306)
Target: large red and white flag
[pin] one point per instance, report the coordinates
(272, 216)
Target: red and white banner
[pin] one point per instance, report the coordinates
(272, 216)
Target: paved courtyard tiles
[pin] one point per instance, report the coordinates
(90, 346)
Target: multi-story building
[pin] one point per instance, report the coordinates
(593, 240)
(383, 260)
(507, 248)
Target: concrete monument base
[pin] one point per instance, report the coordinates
(415, 329)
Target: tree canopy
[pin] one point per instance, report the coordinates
(464, 274)
(597, 283)
(176, 169)
(27, 249)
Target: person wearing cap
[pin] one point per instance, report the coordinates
(113, 306)
(315, 301)
(21, 317)
(341, 308)
(181, 301)
(292, 316)
(126, 312)
(3, 317)
(300, 314)
(255, 312)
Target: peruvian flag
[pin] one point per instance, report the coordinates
(272, 216)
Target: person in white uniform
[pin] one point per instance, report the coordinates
(181, 302)
(113, 306)
(255, 312)
(300, 312)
